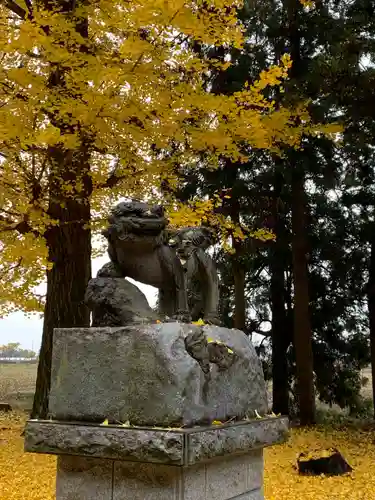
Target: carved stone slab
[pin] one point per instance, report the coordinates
(164, 446)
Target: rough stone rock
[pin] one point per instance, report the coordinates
(168, 446)
(143, 374)
(115, 301)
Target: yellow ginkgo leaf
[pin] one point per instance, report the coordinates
(217, 422)
(200, 322)
(105, 422)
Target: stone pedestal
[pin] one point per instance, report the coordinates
(144, 375)
(161, 385)
(138, 463)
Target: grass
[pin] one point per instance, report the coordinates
(17, 377)
(17, 384)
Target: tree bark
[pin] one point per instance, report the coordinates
(281, 336)
(239, 276)
(239, 288)
(371, 312)
(302, 326)
(69, 252)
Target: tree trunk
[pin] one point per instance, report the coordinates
(239, 277)
(371, 312)
(239, 289)
(281, 335)
(302, 326)
(66, 286)
(69, 252)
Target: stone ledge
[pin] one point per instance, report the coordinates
(179, 447)
(236, 438)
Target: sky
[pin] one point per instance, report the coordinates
(28, 331)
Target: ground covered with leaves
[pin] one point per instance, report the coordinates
(23, 476)
(26, 476)
(283, 482)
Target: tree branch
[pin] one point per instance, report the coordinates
(113, 178)
(22, 227)
(29, 8)
(11, 268)
(112, 181)
(14, 7)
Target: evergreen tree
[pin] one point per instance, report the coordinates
(308, 271)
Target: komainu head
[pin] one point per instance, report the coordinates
(137, 218)
(187, 240)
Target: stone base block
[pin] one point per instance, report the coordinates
(227, 478)
(112, 462)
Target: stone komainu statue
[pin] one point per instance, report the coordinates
(201, 276)
(138, 250)
(140, 247)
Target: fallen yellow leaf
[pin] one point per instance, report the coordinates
(200, 322)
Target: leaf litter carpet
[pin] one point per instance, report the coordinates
(25, 476)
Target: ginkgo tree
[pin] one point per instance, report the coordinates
(89, 90)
